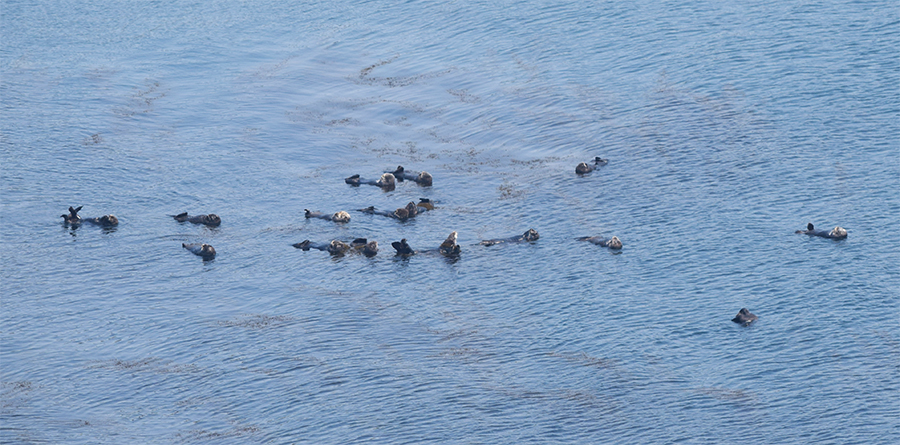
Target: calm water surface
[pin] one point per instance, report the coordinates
(728, 126)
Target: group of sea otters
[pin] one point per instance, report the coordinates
(388, 181)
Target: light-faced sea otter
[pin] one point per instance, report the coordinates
(336, 247)
(201, 249)
(422, 178)
(402, 213)
(211, 220)
(835, 233)
(73, 219)
(613, 243)
(447, 248)
(387, 182)
(744, 317)
(530, 235)
(585, 168)
(339, 217)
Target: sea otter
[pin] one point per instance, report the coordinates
(530, 235)
(835, 233)
(744, 317)
(613, 243)
(211, 220)
(447, 248)
(335, 247)
(339, 217)
(387, 182)
(421, 178)
(584, 167)
(201, 249)
(73, 219)
(403, 213)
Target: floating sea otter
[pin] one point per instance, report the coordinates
(211, 220)
(530, 235)
(421, 178)
(387, 181)
(613, 243)
(339, 217)
(335, 247)
(201, 249)
(744, 317)
(73, 219)
(584, 167)
(411, 210)
(835, 233)
(448, 247)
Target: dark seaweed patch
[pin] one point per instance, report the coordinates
(256, 321)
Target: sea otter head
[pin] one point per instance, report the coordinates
(371, 249)
(341, 217)
(614, 243)
(387, 181)
(337, 247)
(531, 235)
(583, 168)
(412, 209)
(207, 251)
(401, 214)
(424, 178)
(838, 232)
(109, 220)
(449, 246)
(213, 220)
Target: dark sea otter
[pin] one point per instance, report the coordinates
(411, 210)
(744, 317)
(340, 217)
(387, 181)
(613, 243)
(336, 247)
(835, 233)
(73, 219)
(530, 235)
(201, 249)
(584, 167)
(211, 220)
(448, 247)
(421, 178)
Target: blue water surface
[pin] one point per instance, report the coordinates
(727, 125)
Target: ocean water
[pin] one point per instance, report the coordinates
(727, 127)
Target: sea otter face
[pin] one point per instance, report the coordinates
(424, 178)
(387, 180)
(109, 220)
(531, 235)
(207, 251)
(338, 247)
(583, 168)
(341, 217)
(401, 213)
(838, 232)
(213, 220)
(614, 243)
(371, 248)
